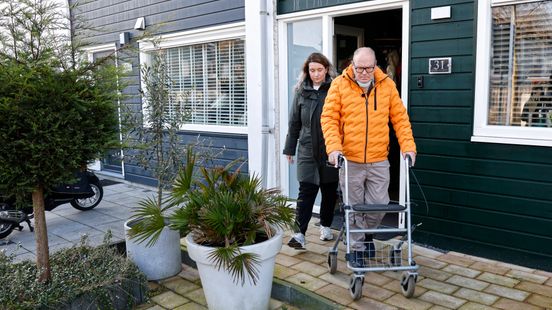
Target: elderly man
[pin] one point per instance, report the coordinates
(355, 119)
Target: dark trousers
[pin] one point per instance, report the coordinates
(305, 202)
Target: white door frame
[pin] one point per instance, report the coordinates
(328, 14)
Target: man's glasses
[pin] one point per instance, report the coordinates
(362, 69)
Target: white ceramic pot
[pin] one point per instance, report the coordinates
(159, 261)
(221, 292)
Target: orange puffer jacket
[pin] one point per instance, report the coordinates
(358, 125)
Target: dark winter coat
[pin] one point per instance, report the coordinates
(304, 127)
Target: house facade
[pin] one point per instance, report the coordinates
(474, 75)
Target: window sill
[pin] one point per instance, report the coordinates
(507, 140)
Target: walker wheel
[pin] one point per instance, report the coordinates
(356, 287)
(332, 262)
(408, 284)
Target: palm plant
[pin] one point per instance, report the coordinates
(225, 209)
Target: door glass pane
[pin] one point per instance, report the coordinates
(304, 38)
(112, 161)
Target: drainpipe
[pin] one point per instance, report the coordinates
(259, 129)
(265, 129)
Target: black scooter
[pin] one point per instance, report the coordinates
(83, 195)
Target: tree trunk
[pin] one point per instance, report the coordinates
(41, 235)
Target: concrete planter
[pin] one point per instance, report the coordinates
(221, 291)
(159, 261)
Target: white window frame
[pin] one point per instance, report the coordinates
(482, 132)
(192, 37)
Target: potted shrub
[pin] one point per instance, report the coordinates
(151, 141)
(234, 231)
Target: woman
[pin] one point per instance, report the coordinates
(312, 171)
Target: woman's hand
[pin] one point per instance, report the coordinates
(289, 158)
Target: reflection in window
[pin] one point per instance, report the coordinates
(521, 65)
(209, 79)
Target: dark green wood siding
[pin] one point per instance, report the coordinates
(486, 199)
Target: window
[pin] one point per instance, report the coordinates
(514, 87)
(207, 72)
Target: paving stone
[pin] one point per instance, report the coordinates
(509, 304)
(455, 259)
(169, 300)
(543, 290)
(475, 306)
(476, 296)
(290, 251)
(285, 260)
(312, 257)
(429, 262)
(395, 286)
(525, 276)
(338, 278)
(320, 248)
(437, 286)
(376, 292)
(197, 296)
(365, 303)
(179, 285)
(516, 267)
(310, 268)
(497, 279)
(543, 273)
(307, 281)
(490, 267)
(462, 271)
(282, 272)
(336, 293)
(468, 282)
(191, 306)
(376, 278)
(402, 302)
(434, 273)
(189, 274)
(442, 299)
(438, 308)
(541, 301)
(507, 292)
(419, 250)
(156, 307)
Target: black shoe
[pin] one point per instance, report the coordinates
(356, 259)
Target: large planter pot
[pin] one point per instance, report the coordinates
(221, 291)
(160, 261)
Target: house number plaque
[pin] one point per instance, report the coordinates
(440, 65)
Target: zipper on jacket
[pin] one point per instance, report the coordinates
(366, 135)
(375, 99)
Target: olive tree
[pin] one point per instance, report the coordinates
(57, 111)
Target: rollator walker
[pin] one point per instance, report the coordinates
(380, 256)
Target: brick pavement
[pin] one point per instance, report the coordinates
(446, 281)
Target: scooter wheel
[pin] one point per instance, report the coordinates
(6, 228)
(89, 203)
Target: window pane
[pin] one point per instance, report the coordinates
(521, 65)
(208, 80)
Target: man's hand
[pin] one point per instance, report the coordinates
(332, 158)
(412, 156)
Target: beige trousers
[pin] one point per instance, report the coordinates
(368, 184)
